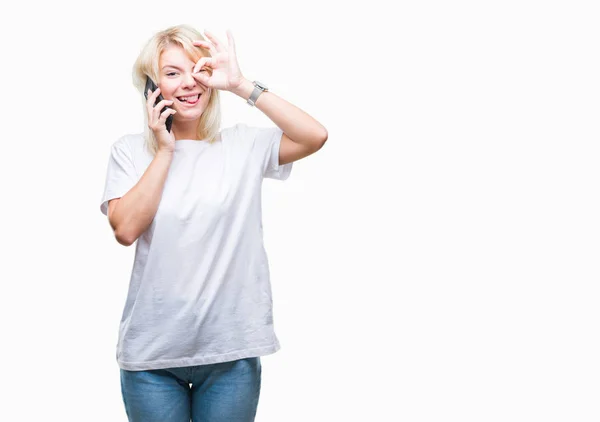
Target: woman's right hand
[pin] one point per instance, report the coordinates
(157, 121)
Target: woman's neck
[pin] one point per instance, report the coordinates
(185, 130)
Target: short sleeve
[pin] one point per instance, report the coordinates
(120, 174)
(265, 148)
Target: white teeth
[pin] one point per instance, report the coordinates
(192, 99)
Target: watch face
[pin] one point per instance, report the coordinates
(261, 85)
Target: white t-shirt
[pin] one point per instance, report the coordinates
(199, 291)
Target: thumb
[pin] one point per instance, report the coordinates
(202, 78)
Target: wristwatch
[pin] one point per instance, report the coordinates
(258, 89)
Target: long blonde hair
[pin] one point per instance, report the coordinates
(146, 65)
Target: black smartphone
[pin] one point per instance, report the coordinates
(150, 85)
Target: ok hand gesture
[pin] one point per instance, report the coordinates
(226, 74)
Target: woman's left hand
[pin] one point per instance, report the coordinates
(226, 74)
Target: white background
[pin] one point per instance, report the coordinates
(436, 261)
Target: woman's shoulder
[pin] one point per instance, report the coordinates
(232, 129)
(237, 131)
(132, 144)
(129, 141)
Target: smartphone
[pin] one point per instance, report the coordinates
(150, 85)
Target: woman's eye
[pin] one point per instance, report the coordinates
(172, 73)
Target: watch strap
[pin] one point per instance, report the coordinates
(258, 89)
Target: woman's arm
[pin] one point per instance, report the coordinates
(302, 135)
(135, 210)
(308, 134)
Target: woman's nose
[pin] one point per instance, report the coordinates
(188, 80)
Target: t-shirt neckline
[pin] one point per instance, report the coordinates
(182, 143)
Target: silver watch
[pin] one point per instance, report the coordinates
(258, 89)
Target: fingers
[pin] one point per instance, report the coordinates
(203, 78)
(163, 116)
(204, 61)
(218, 44)
(206, 45)
(155, 119)
(230, 40)
(152, 98)
(162, 104)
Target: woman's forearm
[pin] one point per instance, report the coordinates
(298, 125)
(136, 209)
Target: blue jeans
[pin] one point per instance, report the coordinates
(220, 392)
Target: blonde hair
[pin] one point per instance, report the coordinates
(146, 65)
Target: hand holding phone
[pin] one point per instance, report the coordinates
(150, 85)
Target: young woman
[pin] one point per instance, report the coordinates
(198, 313)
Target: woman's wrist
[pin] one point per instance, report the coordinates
(244, 89)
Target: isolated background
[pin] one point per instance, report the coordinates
(437, 260)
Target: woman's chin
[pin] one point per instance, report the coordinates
(187, 115)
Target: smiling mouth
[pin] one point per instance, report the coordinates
(191, 100)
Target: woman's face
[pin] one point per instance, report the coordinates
(176, 83)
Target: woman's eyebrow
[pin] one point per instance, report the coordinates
(175, 67)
